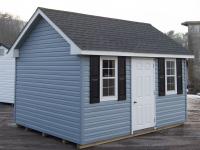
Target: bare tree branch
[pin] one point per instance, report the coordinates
(10, 27)
(180, 38)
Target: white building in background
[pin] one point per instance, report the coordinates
(7, 75)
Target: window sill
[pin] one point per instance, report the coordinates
(108, 98)
(171, 92)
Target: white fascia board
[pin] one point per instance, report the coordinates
(151, 55)
(74, 49)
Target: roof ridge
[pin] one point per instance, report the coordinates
(117, 19)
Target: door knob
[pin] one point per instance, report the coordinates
(134, 102)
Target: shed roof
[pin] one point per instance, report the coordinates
(108, 34)
(92, 35)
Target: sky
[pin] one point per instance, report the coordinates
(165, 15)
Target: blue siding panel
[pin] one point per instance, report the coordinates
(48, 85)
(104, 120)
(171, 109)
(107, 120)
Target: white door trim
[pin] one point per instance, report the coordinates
(132, 86)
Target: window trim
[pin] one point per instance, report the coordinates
(108, 98)
(175, 69)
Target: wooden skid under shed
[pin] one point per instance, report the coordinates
(136, 133)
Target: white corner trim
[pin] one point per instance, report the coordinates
(151, 55)
(74, 48)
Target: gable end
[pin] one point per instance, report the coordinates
(37, 15)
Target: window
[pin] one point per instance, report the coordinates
(108, 78)
(170, 76)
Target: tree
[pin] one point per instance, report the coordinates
(180, 38)
(10, 27)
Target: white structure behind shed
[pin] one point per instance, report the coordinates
(7, 75)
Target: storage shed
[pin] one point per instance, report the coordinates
(7, 75)
(86, 79)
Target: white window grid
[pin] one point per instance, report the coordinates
(115, 77)
(169, 92)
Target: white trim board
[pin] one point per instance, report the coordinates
(74, 48)
(150, 55)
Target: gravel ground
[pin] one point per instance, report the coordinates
(185, 137)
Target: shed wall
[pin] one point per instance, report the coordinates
(48, 84)
(171, 109)
(108, 119)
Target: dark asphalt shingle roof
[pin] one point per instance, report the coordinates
(107, 34)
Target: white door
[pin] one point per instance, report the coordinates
(143, 99)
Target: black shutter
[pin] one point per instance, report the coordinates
(161, 76)
(94, 79)
(179, 76)
(121, 78)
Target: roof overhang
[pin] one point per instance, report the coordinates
(150, 55)
(74, 48)
(191, 23)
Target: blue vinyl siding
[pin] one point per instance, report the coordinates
(48, 84)
(108, 119)
(171, 109)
